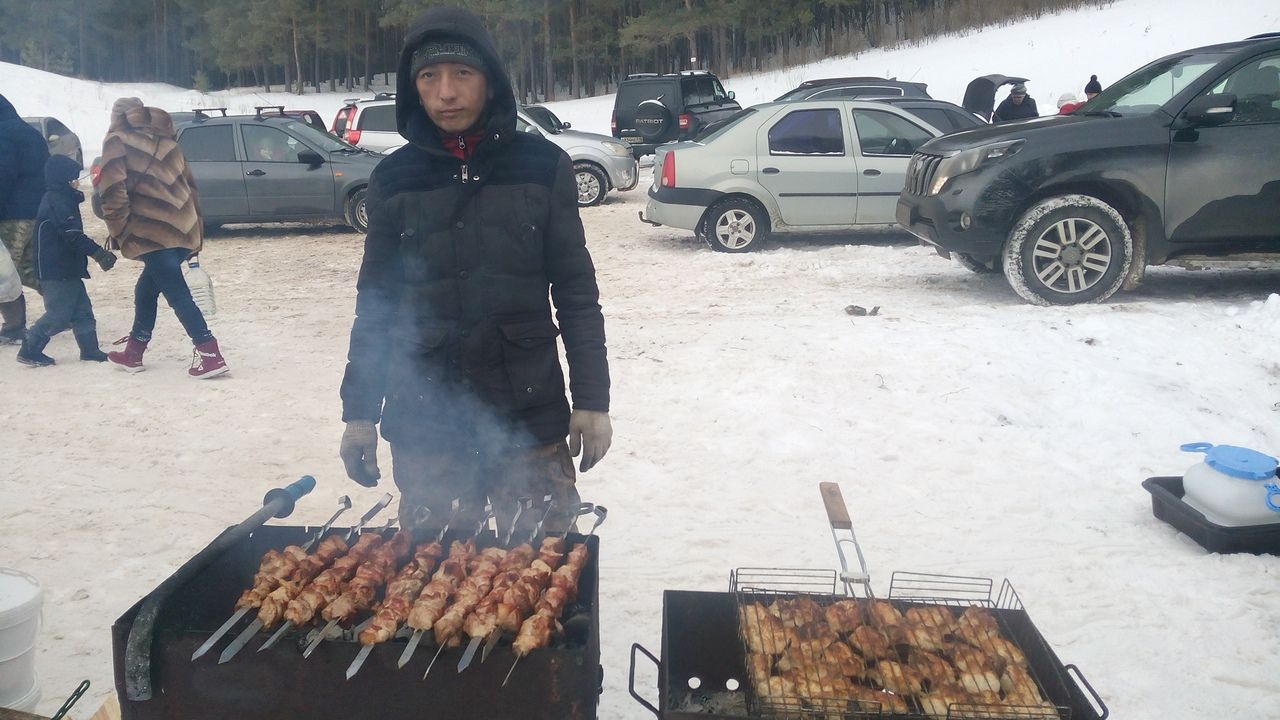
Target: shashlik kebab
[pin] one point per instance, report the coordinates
(358, 592)
(275, 566)
(433, 599)
(275, 603)
(470, 592)
(394, 608)
(482, 621)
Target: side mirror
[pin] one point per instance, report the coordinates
(733, 95)
(1210, 110)
(565, 126)
(310, 157)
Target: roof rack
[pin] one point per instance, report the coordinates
(636, 76)
(258, 110)
(693, 72)
(202, 114)
(832, 81)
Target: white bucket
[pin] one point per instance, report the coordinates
(27, 703)
(20, 600)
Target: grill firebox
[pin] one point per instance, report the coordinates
(561, 682)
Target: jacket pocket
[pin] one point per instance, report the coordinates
(532, 362)
(417, 374)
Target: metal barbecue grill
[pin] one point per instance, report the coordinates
(561, 682)
(709, 668)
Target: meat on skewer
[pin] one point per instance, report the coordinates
(328, 584)
(433, 599)
(469, 594)
(276, 565)
(401, 592)
(273, 606)
(372, 574)
(535, 632)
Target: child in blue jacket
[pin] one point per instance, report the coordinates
(61, 257)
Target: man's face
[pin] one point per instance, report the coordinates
(453, 95)
(1089, 96)
(1017, 99)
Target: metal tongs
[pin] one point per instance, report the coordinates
(842, 533)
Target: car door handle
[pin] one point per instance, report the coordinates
(256, 173)
(872, 172)
(771, 171)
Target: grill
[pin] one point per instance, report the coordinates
(561, 682)
(921, 171)
(710, 666)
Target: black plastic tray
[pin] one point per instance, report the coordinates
(1167, 505)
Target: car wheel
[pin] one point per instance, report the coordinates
(592, 184)
(968, 263)
(736, 225)
(358, 211)
(1068, 250)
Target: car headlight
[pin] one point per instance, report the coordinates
(618, 149)
(966, 161)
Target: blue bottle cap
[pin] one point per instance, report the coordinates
(1235, 461)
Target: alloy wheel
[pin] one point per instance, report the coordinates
(588, 188)
(1072, 255)
(735, 229)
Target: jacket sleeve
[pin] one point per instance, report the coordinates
(364, 383)
(8, 170)
(72, 229)
(575, 294)
(112, 187)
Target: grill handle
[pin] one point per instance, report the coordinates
(631, 678)
(1079, 678)
(842, 534)
(137, 652)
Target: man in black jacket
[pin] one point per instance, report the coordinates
(453, 349)
(23, 152)
(1018, 106)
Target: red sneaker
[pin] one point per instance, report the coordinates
(207, 361)
(130, 360)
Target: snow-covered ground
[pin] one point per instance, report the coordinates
(972, 434)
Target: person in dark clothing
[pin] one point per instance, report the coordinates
(1018, 106)
(453, 350)
(23, 152)
(1092, 88)
(61, 258)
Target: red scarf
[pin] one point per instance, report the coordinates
(462, 146)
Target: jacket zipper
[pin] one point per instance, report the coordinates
(464, 173)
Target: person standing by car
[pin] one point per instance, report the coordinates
(152, 212)
(23, 153)
(453, 349)
(62, 251)
(1092, 88)
(1018, 106)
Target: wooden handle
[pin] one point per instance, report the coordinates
(837, 511)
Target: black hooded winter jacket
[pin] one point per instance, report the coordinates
(62, 250)
(23, 153)
(453, 345)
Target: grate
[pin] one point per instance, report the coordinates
(920, 173)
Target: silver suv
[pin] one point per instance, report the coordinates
(600, 163)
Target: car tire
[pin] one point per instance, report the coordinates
(736, 225)
(1068, 250)
(592, 184)
(357, 211)
(968, 263)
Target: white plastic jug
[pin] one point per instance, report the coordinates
(201, 287)
(20, 600)
(1234, 486)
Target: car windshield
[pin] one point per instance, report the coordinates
(716, 129)
(324, 140)
(1148, 89)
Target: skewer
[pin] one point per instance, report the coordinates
(207, 645)
(522, 504)
(484, 522)
(601, 512)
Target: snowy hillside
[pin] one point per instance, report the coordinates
(1058, 53)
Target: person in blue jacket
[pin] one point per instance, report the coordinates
(23, 152)
(61, 260)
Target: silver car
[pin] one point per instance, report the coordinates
(785, 167)
(600, 163)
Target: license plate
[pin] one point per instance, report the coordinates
(632, 139)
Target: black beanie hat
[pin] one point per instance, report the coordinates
(1093, 86)
(447, 50)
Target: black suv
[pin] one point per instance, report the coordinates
(1174, 164)
(844, 88)
(650, 109)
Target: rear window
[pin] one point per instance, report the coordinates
(856, 91)
(57, 128)
(340, 122)
(378, 118)
(630, 96)
(210, 143)
(936, 117)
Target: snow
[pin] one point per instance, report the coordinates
(972, 433)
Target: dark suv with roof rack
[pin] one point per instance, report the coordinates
(651, 109)
(269, 167)
(1175, 164)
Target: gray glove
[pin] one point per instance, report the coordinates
(590, 433)
(105, 259)
(359, 452)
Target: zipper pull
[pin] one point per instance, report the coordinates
(464, 173)
(462, 143)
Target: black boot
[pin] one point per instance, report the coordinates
(14, 330)
(32, 352)
(89, 350)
